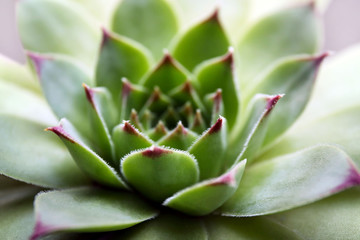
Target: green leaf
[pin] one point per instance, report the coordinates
(203, 41)
(16, 73)
(204, 197)
(275, 37)
(19, 102)
(336, 217)
(209, 149)
(127, 138)
(218, 74)
(168, 74)
(100, 98)
(158, 131)
(166, 226)
(17, 219)
(179, 138)
(292, 180)
(73, 33)
(247, 142)
(296, 79)
(45, 163)
(163, 171)
(150, 22)
(88, 210)
(61, 80)
(91, 163)
(102, 12)
(259, 228)
(120, 57)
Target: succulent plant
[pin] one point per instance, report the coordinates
(177, 120)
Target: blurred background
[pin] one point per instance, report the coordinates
(342, 27)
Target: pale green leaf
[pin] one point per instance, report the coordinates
(289, 32)
(336, 217)
(259, 228)
(179, 138)
(292, 180)
(56, 26)
(165, 227)
(40, 159)
(150, 22)
(88, 210)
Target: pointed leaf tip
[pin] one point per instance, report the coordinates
(155, 152)
(272, 101)
(320, 58)
(89, 94)
(106, 35)
(129, 128)
(126, 88)
(217, 126)
(353, 179)
(60, 131)
(37, 60)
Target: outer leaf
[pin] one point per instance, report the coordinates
(292, 180)
(86, 159)
(61, 81)
(127, 138)
(204, 197)
(88, 210)
(219, 74)
(274, 37)
(295, 78)
(336, 217)
(72, 33)
(167, 75)
(259, 228)
(101, 133)
(150, 22)
(16, 101)
(163, 171)
(332, 115)
(45, 163)
(17, 74)
(209, 150)
(204, 41)
(120, 57)
(247, 142)
(166, 226)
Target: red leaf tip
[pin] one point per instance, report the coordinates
(106, 36)
(272, 101)
(89, 92)
(126, 88)
(60, 131)
(225, 179)
(180, 129)
(40, 230)
(155, 152)
(129, 128)
(217, 126)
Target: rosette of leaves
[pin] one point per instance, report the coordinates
(202, 140)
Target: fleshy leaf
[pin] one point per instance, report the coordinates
(341, 212)
(296, 79)
(166, 226)
(102, 12)
(203, 41)
(19, 102)
(15, 73)
(120, 57)
(61, 81)
(209, 149)
(158, 131)
(101, 135)
(88, 210)
(180, 138)
(92, 164)
(167, 75)
(150, 22)
(204, 197)
(219, 74)
(292, 180)
(126, 139)
(46, 163)
(275, 37)
(249, 140)
(259, 228)
(163, 171)
(73, 33)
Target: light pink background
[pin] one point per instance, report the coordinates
(342, 27)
